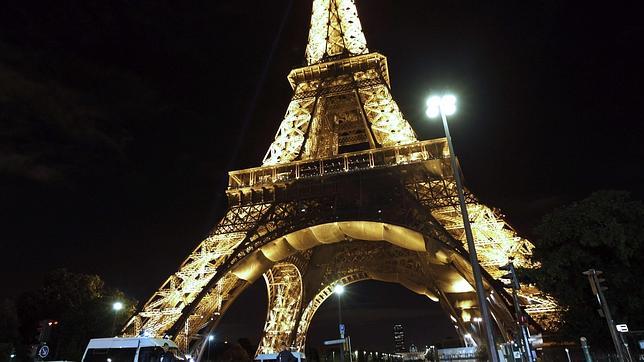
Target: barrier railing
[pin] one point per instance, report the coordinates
(343, 163)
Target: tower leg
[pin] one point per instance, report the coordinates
(284, 285)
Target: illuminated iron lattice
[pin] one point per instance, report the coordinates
(284, 285)
(335, 30)
(344, 176)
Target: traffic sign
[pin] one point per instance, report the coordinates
(43, 351)
(517, 354)
(333, 342)
(622, 328)
(342, 329)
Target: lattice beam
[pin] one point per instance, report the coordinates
(166, 305)
(285, 292)
(335, 30)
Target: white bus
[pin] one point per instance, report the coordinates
(272, 357)
(138, 349)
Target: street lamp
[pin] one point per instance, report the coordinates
(339, 290)
(116, 307)
(210, 339)
(444, 106)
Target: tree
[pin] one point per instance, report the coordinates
(80, 304)
(605, 232)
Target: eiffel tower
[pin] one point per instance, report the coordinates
(346, 193)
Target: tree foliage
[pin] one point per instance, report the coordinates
(605, 232)
(82, 306)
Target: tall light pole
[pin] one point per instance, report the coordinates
(446, 106)
(339, 290)
(478, 321)
(116, 307)
(210, 339)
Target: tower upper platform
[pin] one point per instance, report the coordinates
(342, 100)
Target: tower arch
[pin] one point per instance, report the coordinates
(360, 250)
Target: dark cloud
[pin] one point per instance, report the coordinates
(23, 166)
(52, 131)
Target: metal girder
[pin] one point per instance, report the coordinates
(543, 308)
(291, 133)
(495, 240)
(166, 305)
(496, 243)
(316, 302)
(285, 292)
(335, 30)
(303, 129)
(385, 118)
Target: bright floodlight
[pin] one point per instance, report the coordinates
(436, 104)
(117, 306)
(433, 106)
(211, 337)
(338, 289)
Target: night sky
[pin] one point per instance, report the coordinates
(120, 119)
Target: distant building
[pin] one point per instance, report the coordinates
(399, 339)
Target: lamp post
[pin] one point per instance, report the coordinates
(116, 307)
(339, 290)
(210, 339)
(478, 330)
(446, 106)
(478, 321)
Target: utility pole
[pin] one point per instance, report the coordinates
(521, 319)
(598, 290)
